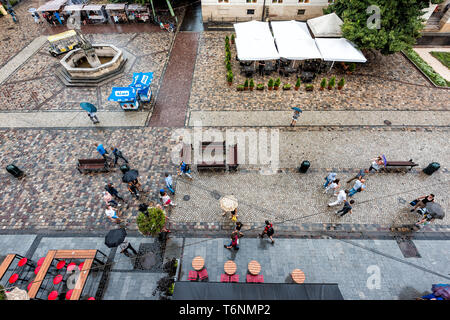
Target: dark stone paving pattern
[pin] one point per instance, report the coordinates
(171, 102)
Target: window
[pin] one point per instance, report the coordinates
(304, 1)
(277, 1)
(300, 12)
(250, 11)
(250, 1)
(223, 1)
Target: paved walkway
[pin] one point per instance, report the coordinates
(71, 119)
(172, 99)
(318, 118)
(21, 58)
(424, 53)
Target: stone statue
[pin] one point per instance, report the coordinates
(88, 50)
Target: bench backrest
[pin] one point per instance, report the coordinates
(91, 161)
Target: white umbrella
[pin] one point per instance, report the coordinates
(17, 294)
(32, 10)
(228, 203)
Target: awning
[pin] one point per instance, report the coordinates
(115, 6)
(142, 79)
(74, 7)
(341, 50)
(253, 30)
(93, 7)
(290, 29)
(63, 35)
(136, 7)
(187, 290)
(298, 49)
(327, 26)
(256, 49)
(122, 94)
(54, 5)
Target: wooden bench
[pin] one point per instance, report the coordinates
(88, 165)
(216, 147)
(409, 164)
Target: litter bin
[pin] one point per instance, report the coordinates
(124, 168)
(16, 172)
(431, 168)
(304, 166)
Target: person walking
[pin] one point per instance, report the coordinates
(102, 151)
(185, 169)
(377, 163)
(13, 14)
(261, 65)
(117, 154)
(237, 229)
(334, 186)
(329, 179)
(360, 175)
(169, 182)
(125, 246)
(422, 201)
(113, 191)
(295, 117)
(165, 199)
(357, 187)
(341, 197)
(268, 229)
(234, 215)
(36, 17)
(93, 117)
(113, 214)
(107, 197)
(234, 242)
(133, 189)
(347, 208)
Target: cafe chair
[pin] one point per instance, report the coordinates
(71, 266)
(69, 294)
(250, 278)
(224, 278)
(25, 261)
(203, 274)
(259, 278)
(53, 295)
(192, 275)
(40, 261)
(61, 264)
(234, 278)
(14, 278)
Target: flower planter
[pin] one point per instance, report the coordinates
(245, 88)
(287, 88)
(296, 88)
(322, 88)
(275, 88)
(340, 88)
(329, 88)
(251, 88)
(230, 83)
(270, 88)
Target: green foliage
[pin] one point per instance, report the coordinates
(309, 87)
(436, 1)
(230, 76)
(228, 56)
(232, 37)
(228, 66)
(419, 62)
(171, 288)
(297, 83)
(341, 82)
(400, 23)
(352, 67)
(277, 82)
(270, 83)
(2, 293)
(246, 83)
(332, 82)
(286, 86)
(227, 40)
(323, 83)
(252, 83)
(240, 87)
(151, 224)
(443, 57)
(260, 86)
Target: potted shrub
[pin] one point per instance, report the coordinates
(270, 84)
(297, 84)
(150, 223)
(228, 66)
(246, 84)
(287, 86)
(227, 40)
(341, 83)
(232, 38)
(230, 78)
(240, 87)
(260, 86)
(309, 87)
(276, 84)
(251, 84)
(165, 286)
(323, 84)
(2, 293)
(351, 68)
(228, 55)
(332, 83)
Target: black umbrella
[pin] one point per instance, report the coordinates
(115, 237)
(130, 176)
(435, 210)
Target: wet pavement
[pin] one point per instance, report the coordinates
(193, 19)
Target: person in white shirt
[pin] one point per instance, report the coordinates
(377, 163)
(330, 178)
(341, 197)
(112, 214)
(334, 186)
(357, 187)
(165, 199)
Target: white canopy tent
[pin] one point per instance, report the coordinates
(256, 49)
(341, 50)
(327, 26)
(253, 30)
(54, 5)
(290, 29)
(298, 49)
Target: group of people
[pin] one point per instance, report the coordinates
(236, 234)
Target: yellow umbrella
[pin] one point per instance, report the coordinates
(228, 203)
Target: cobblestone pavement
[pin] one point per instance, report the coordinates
(377, 84)
(34, 86)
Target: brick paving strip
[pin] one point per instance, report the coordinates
(173, 97)
(318, 118)
(21, 57)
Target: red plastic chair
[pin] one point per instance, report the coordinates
(40, 261)
(259, 278)
(60, 265)
(203, 274)
(80, 266)
(234, 278)
(13, 278)
(71, 266)
(22, 262)
(224, 278)
(29, 285)
(57, 279)
(192, 275)
(91, 298)
(53, 295)
(37, 270)
(250, 278)
(69, 294)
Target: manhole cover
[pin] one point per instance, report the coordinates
(215, 194)
(387, 122)
(186, 198)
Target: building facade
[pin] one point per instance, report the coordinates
(246, 10)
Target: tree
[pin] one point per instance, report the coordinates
(400, 23)
(151, 222)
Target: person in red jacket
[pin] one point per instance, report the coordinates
(268, 230)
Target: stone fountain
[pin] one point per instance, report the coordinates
(91, 64)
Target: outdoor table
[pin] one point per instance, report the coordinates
(230, 267)
(254, 267)
(5, 264)
(198, 263)
(298, 276)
